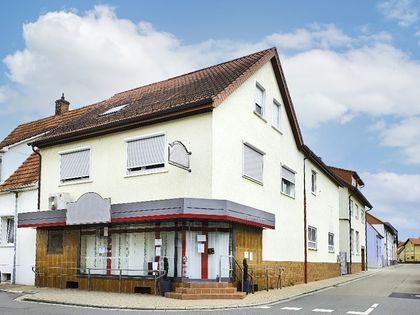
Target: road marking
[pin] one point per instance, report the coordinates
(322, 310)
(291, 308)
(264, 306)
(367, 312)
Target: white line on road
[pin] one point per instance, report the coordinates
(291, 308)
(322, 310)
(367, 312)
(264, 306)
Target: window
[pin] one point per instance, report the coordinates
(55, 242)
(331, 242)
(146, 153)
(7, 229)
(259, 100)
(252, 163)
(313, 182)
(113, 110)
(276, 115)
(287, 181)
(75, 165)
(362, 215)
(356, 213)
(351, 207)
(357, 243)
(352, 240)
(312, 241)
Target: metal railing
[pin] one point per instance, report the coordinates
(63, 272)
(267, 273)
(233, 264)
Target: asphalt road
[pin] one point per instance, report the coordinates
(393, 291)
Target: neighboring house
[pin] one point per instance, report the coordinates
(411, 253)
(19, 168)
(192, 169)
(374, 247)
(389, 241)
(353, 207)
(401, 252)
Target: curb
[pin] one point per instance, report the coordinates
(34, 300)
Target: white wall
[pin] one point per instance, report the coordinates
(109, 162)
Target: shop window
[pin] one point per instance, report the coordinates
(55, 242)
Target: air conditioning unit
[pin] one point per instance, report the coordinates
(58, 201)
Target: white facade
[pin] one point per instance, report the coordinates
(217, 141)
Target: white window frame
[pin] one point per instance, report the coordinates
(352, 240)
(357, 238)
(261, 88)
(284, 180)
(130, 173)
(76, 180)
(312, 244)
(331, 247)
(5, 232)
(262, 153)
(314, 177)
(276, 121)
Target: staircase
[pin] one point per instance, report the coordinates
(205, 291)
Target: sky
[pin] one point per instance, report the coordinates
(352, 67)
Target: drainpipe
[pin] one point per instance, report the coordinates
(36, 150)
(305, 230)
(15, 236)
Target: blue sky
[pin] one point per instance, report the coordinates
(352, 68)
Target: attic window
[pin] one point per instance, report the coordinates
(113, 110)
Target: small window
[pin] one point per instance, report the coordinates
(313, 182)
(357, 243)
(259, 100)
(0, 166)
(331, 242)
(75, 165)
(312, 238)
(252, 163)
(362, 215)
(146, 154)
(356, 212)
(8, 225)
(287, 181)
(351, 207)
(55, 242)
(276, 119)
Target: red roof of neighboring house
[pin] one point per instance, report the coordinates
(26, 175)
(415, 241)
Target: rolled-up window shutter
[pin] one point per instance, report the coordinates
(75, 165)
(288, 175)
(253, 163)
(146, 152)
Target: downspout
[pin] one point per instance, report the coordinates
(15, 236)
(305, 230)
(36, 150)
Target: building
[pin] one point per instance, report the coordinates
(411, 252)
(375, 256)
(389, 241)
(195, 169)
(19, 168)
(353, 207)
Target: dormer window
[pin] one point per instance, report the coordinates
(259, 100)
(353, 182)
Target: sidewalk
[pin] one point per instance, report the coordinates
(151, 302)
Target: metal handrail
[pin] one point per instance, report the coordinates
(156, 273)
(232, 270)
(266, 271)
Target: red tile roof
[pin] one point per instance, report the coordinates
(26, 175)
(415, 241)
(187, 94)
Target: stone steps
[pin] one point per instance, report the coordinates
(205, 290)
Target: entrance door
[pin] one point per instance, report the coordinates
(193, 263)
(363, 258)
(219, 241)
(343, 263)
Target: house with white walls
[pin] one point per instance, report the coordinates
(192, 174)
(389, 241)
(353, 208)
(19, 169)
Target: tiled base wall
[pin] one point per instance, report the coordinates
(356, 267)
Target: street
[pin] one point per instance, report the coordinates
(392, 291)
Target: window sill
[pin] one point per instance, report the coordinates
(76, 182)
(313, 193)
(11, 245)
(256, 181)
(146, 172)
(277, 129)
(260, 116)
(283, 193)
(331, 251)
(314, 249)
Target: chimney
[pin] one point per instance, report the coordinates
(61, 106)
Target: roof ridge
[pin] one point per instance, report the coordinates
(195, 71)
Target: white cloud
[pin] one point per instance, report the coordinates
(396, 199)
(405, 136)
(405, 12)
